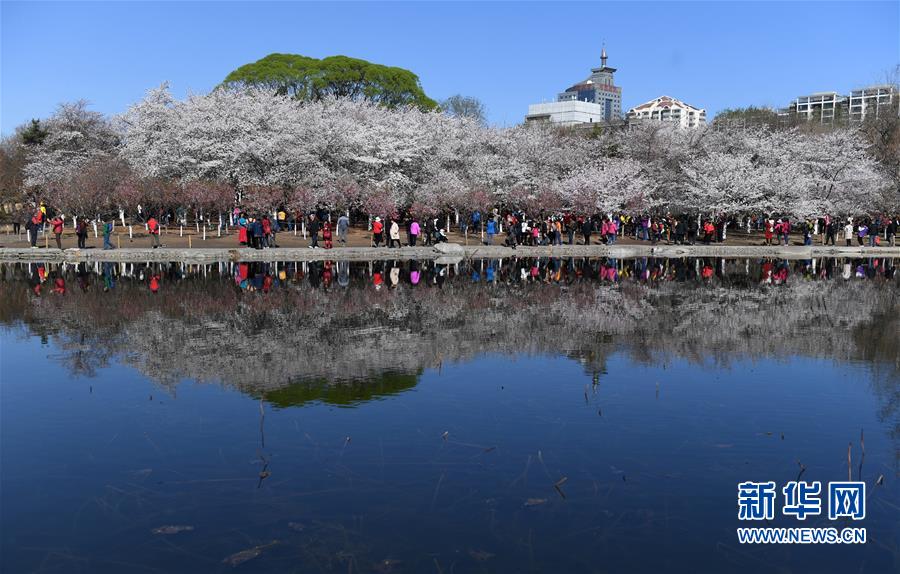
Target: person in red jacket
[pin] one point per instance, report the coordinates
(154, 283)
(57, 223)
(267, 232)
(377, 231)
(153, 228)
(709, 231)
(770, 228)
(326, 234)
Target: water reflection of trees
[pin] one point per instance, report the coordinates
(262, 327)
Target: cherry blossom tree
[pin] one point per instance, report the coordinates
(273, 151)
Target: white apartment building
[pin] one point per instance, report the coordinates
(566, 113)
(668, 109)
(820, 106)
(871, 101)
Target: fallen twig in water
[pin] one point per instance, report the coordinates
(535, 502)
(802, 470)
(436, 490)
(239, 558)
(849, 462)
(862, 458)
(524, 475)
(262, 419)
(264, 473)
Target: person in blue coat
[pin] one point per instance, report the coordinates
(491, 230)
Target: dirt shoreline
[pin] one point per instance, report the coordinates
(448, 252)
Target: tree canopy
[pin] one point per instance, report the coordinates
(202, 152)
(311, 79)
(751, 116)
(460, 106)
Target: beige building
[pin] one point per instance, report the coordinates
(668, 109)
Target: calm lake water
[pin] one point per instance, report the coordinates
(553, 415)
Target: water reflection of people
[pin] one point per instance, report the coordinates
(377, 280)
(109, 281)
(343, 273)
(327, 274)
(266, 277)
(781, 273)
(395, 275)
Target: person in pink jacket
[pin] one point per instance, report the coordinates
(414, 231)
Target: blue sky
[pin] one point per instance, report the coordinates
(709, 54)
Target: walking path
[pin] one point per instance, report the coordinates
(447, 251)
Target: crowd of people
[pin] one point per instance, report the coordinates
(515, 226)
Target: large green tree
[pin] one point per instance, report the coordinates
(311, 79)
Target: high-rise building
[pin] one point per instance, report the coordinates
(598, 88)
(596, 99)
(668, 109)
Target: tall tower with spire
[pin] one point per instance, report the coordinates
(598, 88)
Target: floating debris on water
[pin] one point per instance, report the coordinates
(239, 558)
(880, 480)
(445, 435)
(535, 502)
(172, 529)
